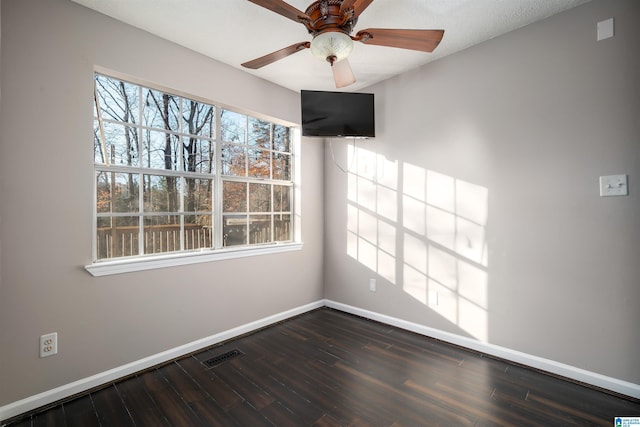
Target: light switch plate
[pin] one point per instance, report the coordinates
(614, 185)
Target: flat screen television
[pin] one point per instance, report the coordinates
(337, 114)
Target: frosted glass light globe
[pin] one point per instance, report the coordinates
(333, 43)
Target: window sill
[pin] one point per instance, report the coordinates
(106, 268)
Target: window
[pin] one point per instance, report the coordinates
(175, 175)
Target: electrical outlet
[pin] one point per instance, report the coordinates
(49, 344)
(372, 285)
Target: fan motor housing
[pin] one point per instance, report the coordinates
(325, 16)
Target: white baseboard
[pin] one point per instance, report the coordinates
(45, 398)
(567, 371)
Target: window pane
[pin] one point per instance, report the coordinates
(160, 150)
(259, 133)
(169, 142)
(233, 127)
(118, 100)
(161, 234)
(116, 192)
(198, 118)
(259, 197)
(282, 166)
(120, 144)
(282, 227)
(117, 237)
(197, 232)
(161, 193)
(281, 198)
(234, 230)
(259, 163)
(197, 155)
(197, 195)
(100, 156)
(281, 138)
(234, 158)
(234, 196)
(161, 110)
(259, 229)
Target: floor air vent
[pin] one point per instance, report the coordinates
(215, 361)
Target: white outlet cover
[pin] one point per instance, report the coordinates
(49, 344)
(614, 185)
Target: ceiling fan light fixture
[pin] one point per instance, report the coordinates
(331, 44)
(331, 22)
(342, 73)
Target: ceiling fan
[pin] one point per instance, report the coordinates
(331, 23)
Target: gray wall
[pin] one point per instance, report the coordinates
(49, 49)
(486, 192)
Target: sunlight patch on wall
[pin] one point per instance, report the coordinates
(415, 253)
(372, 212)
(415, 283)
(444, 221)
(472, 211)
(414, 215)
(422, 230)
(414, 179)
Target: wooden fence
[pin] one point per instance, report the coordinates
(116, 242)
(124, 241)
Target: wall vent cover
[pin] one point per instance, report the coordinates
(221, 358)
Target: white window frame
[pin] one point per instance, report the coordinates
(179, 258)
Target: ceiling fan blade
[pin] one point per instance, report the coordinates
(358, 6)
(275, 56)
(342, 73)
(282, 8)
(423, 40)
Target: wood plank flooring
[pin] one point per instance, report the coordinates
(327, 368)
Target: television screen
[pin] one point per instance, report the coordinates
(337, 114)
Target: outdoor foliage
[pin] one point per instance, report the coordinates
(156, 165)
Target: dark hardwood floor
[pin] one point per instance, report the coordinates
(327, 368)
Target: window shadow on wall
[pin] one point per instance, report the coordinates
(424, 232)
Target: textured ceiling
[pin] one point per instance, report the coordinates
(235, 31)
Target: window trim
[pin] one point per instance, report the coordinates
(154, 261)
